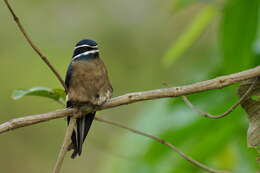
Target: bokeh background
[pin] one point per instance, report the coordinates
(144, 44)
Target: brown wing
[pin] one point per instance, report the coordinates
(89, 82)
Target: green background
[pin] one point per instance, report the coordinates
(143, 44)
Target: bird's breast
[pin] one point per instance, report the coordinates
(89, 82)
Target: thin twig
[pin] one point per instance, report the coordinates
(164, 142)
(137, 97)
(230, 109)
(35, 48)
(65, 145)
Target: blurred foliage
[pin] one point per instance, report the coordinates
(238, 34)
(219, 144)
(223, 37)
(188, 37)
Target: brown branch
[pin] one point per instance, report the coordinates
(216, 83)
(33, 119)
(164, 142)
(35, 48)
(65, 145)
(228, 111)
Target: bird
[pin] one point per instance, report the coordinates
(88, 85)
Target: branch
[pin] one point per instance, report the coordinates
(33, 119)
(164, 142)
(65, 145)
(230, 109)
(216, 83)
(35, 48)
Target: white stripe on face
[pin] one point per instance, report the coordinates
(85, 53)
(85, 45)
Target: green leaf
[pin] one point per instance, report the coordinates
(54, 94)
(187, 38)
(238, 31)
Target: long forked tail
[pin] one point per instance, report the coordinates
(79, 134)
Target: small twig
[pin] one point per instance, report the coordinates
(230, 109)
(35, 48)
(65, 145)
(164, 142)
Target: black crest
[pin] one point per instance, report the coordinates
(83, 46)
(86, 42)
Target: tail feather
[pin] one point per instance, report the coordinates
(79, 134)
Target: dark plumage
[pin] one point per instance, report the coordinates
(86, 42)
(88, 84)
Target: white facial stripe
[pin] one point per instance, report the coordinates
(85, 53)
(85, 45)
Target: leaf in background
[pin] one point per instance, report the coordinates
(238, 31)
(54, 94)
(188, 37)
(206, 146)
(194, 140)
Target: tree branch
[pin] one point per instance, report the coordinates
(216, 83)
(33, 119)
(230, 109)
(164, 142)
(35, 48)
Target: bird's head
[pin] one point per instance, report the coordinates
(85, 48)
